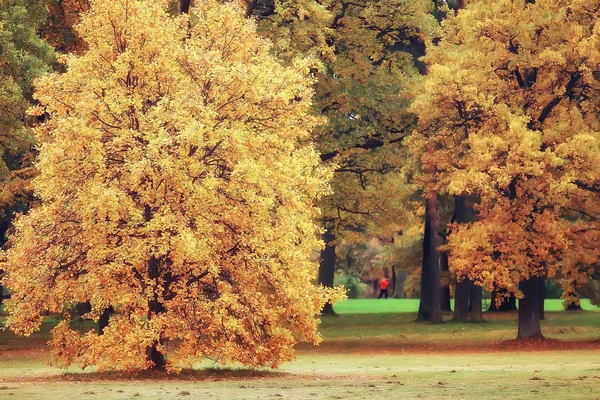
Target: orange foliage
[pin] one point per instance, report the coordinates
(510, 105)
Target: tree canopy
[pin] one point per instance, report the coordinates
(510, 107)
(23, 57)
(177, 186)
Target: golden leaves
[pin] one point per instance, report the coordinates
(178, 187)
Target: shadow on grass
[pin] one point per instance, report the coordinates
(402, 345)
(205, 374)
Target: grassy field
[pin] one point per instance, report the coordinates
(364, 355)
(370, 306)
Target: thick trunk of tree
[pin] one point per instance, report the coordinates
(529, 309)
(542, 294)
(445, 293)
(508, 305)
(476, 303)
(104, 319)
(4, 225)
(571, 306)
(462, 295)
(155, 307)
(430, 308)
(468, 296)
(327, 265)
(156, 357)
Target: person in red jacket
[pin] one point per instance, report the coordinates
(383, 287)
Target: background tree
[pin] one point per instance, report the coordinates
(511, 108)
(367, 52)
(23, 57)
(59, 28)
(177, 185)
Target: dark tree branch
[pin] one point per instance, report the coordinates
(593, 187)
(196, 278)
(369, 144)
(535, 124)
(339, 16)
(354, 211)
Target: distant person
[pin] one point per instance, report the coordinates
(383, 287)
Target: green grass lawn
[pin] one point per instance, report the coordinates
(381, 354)
(370, 306)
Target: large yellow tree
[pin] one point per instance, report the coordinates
(510, 111)
(177, 183)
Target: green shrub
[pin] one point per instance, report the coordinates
(355, 289)
(553, 289)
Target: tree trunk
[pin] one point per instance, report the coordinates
(394, 279)
(4, 225)
(155, 307)
(542, 294)
(462, 295)
(430, 308)
(468, 296)
(476, 303)
(156, 357)
(104, 319)
(184, 6)
(445, 293)
(508, 305)
(327, 266)
(529, 309)
(571, 305)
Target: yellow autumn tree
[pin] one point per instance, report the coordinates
(510, 109)
(177, 183)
